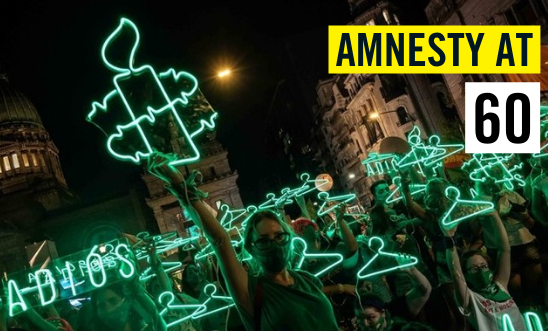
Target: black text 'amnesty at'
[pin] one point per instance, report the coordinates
(434, 49)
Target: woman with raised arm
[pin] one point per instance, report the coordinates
(276, 298)
(482, 296)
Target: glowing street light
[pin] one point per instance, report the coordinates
(351, 176)
(374, 116)
(224, 73)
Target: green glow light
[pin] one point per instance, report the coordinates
(308, 185)
(507, 323)
(125, 262)
(304, 255)
(489, 165)
(543, 149)
(331, 203)
(276, 203)
(402, 261)
(167, 299)
(168, 267)
(50, 281)
(420, 152)
(15, 299)
(140, 118)
(99, 262)
(448, 220)
(532, 322)
(414, 188)
(448, 150)
(378, 164)
(204, 310)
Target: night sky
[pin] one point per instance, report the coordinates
(51, 53)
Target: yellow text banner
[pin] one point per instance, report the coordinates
(434, 49)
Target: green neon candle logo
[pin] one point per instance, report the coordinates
(138, 127)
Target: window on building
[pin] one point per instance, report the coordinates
(15, 160)
(527, 12)
(403, 116)
(25, 160)
(34, 159)
(42, 161)
(386, 16)
(7, 164)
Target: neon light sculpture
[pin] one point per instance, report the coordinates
(304, 255)
(496, 166)
(166, 300)
(532, 322)
(420, 152)
(450, 220)
(378, 164)
(414, 188)
(402, 261)
(448, 150)
(273, 202)
(15, 299)
(331, 203)
(309, 185)
(543, 149)
(205, 308)
(138, 126)
(507, 323)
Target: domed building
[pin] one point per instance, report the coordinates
(29, 160)
(31, 179)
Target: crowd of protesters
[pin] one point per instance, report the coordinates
(305, 270)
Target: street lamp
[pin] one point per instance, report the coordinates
(223, 73)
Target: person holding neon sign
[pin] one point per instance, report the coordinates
(480, 293)
(276, 298)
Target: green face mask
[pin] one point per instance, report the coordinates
(479, 280)
(482, 283)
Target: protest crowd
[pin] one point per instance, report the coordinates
(433, 252)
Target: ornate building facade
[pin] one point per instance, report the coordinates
(31, 179)
(219, 180)
(355, 112)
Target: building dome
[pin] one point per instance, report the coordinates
(16, 108)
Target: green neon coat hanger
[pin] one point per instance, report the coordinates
(167, 299)
(208, 249)
(168, 267)
(420, 152)
(450, 220)
(140, 120)
(401, 261)
(308, 186)
(231, 215)
(325, 208)
(448, 150)
(543, 149)
(223, 302)
(275, 203)
(414, 188)
(304, 255)
(488, 165)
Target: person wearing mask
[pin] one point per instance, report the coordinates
(273, 297)
(372, 313)
(526, 278)
(124, 307)
(481, 294)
